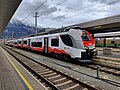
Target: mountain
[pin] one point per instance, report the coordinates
(19, 29)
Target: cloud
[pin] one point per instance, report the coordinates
(57, 13)
(27, 6)
(49, 11)
(105, 1)
(60, 17)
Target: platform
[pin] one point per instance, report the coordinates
(113, 49)
(83, 74)
(114, 55)
(14, 77)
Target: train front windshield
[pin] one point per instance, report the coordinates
(85, 36)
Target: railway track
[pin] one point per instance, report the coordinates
(104, 68)
(53, 79)
(115, 61)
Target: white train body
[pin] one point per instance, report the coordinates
(68, 44)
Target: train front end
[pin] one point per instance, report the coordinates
(89, 45)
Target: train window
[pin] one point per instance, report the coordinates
(67, 40)
(55, 42)
(112, 42)
(25, 42)
(32, 43)
(36, 44)
(15, 42)
(85, 36)
(19, 42)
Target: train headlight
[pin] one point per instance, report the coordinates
(94, 50)
(86, 48)
(91, 47)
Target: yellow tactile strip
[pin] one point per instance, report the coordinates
(22, 77)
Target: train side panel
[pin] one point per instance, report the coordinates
(74, 43)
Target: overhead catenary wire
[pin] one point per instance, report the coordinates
(29, 8)
(58, 5)
(76, 10)
(84, 12)
(85, 7)
(53, 6)
(50, 8)
(34, 10)
(89, 5)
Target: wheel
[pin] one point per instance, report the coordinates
(66, 57)
(52, 54)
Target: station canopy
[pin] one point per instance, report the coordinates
(7, 9)
(109, 24)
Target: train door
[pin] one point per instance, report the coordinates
(22, 42)
(29, 43)
(45, 44)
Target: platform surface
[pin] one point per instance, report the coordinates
(113, 49)
(14, 77)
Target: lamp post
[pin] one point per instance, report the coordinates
(36, 16)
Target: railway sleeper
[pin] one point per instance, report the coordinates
(48, 75)
(63, 83)
(46, 72)
(72, 87)
(59, 79)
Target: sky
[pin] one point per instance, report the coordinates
(58, 13)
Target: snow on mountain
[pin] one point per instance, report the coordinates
(20, 29)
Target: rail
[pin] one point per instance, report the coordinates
(53, 78)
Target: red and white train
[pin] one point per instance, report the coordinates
(67, 43)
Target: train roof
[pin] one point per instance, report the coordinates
(47, 35)
(56, 31)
